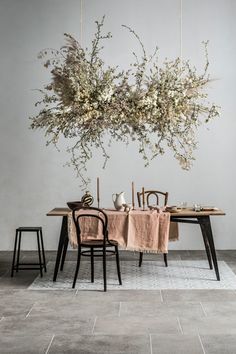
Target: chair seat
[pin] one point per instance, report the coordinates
(98, 243)
(29, 228)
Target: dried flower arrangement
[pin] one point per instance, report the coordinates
(156, 106)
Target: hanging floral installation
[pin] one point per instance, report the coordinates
(157, 106)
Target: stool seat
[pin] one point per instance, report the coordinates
(16, 265)
(29, 228)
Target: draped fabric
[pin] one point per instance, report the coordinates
(137, 230)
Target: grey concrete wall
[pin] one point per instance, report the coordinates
(33, 179)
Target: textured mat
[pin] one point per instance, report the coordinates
(153, 275)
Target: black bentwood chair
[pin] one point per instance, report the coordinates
(145, 200)
(95, 247)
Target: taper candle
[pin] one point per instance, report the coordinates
(98, 196)
(133, 195)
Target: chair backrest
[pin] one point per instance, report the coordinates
(101, 216)
(152, 193)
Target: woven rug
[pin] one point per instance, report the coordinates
(153, 275)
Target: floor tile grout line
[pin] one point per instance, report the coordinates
(119, 309)
(200, 340)
(161, 296)
(50, 343)
(180, 327)
(150, 341)
(94, 324)
(204, 311)
(27, 315)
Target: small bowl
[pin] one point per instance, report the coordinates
(75, 204)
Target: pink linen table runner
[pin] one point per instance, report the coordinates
(137, 230)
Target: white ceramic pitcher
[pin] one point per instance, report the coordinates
(118, 200)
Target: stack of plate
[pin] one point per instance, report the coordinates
(173, 209)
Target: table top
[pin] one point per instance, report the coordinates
(182, 213)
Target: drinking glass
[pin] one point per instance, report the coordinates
(196, 207)
(182, 205)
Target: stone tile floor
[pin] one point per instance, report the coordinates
(127, 322)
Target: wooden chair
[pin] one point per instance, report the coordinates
(145, 200)
(95, 247)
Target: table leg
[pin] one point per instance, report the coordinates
(63, 236)
(205, 223)
(206, 243)
(204, 234)
(64, 252)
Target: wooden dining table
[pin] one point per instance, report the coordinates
(187, 216)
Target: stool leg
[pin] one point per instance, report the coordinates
(39, 252)
(14, 255)
(44, 258)
(18, 252)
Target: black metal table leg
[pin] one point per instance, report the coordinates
(92, 265)
(203, 230)
(118, 264)
(63, 236)
(206, 243)
(140, 259)
(206, 225)
(64, 252)
(43, 252)
(165, 259)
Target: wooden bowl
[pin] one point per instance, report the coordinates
(75, 204)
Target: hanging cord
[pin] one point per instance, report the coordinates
(180, 33)
(81, 22)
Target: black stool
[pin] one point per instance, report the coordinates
(16, 265)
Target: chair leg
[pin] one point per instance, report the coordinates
(39, 252)
(165, 259)
(77, 267)
(104, 269)
(92, 265)
(140, 259)
(18, 252)
(14, 255)
(118, 265)
(43, 252)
